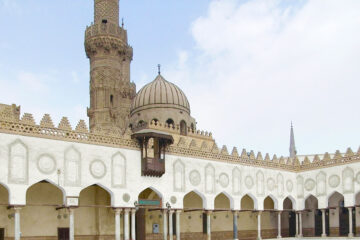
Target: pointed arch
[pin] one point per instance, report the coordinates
(41, 190)
(311, 202)
(157, 192)
(334, 199)
(223, 201)
(194, 199)
(274, 202)
(287, 200)
(4, 194)
(95, 188)
(245, 203)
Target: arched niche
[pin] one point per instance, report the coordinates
(193, 200)
(222, 202)
(288, 217)
(247, 202)
(310, 218)
(269, 203)
(44, 202)
(4, 195)
(95, 215)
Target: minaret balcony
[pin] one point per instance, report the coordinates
(107, 29)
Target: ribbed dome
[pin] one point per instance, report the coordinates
(160, 94)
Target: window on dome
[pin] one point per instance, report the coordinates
(183, 128)
(170, 121)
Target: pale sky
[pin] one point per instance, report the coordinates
(248, 68)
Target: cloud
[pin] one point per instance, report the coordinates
(257, 65)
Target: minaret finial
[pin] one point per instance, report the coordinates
(292, 142)
(159, 69)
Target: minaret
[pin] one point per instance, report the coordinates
(111, 91)
(292, 143)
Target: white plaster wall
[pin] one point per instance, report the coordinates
(257, 182)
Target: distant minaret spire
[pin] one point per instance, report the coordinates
(292, 142)
(159, 69)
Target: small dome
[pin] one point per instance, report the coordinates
(160, 94)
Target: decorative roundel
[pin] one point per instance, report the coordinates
(173, 200)
(334, 181)
(224, 180)
(289, 185)
(46, 164)
(309, 184)
(195, 177)
(97, 169)
(358, 177)
(271, 184)
(249, 182)
(126, 197)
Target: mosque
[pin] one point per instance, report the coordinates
(142, 170)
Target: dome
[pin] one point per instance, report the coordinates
(160, 94)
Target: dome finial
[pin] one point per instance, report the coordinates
(159, 69)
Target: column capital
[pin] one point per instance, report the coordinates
(171, 211)
(209, 212)
(178, 211)
(127, 210)
(133, 210)
(235, 212)
(117, 210)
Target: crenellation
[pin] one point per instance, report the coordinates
(47, 122)
(234, 152)
(65, 124)
(267, 157)
(224, 150)
(28, 119)
(252, 155)
(81, 127)
(326, 157)
(259, 157)
(244, 154)
(349, 152)
(275, 159)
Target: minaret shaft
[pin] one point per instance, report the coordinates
(111, 91)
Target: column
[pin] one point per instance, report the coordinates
(351, 233)
(300, 224)
(235, 223)
(259, 225)
(171, 232)
(133, 224)
(72, 226)
(126, 224)
(296, 224)
(165, 224)
(279, 225)
(17, 223)
(117, 224)
(323, 223)
(178, 237)
(208, 221)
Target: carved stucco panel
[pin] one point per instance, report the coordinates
(118, 170)
(72, 169)
(280, 183)
(209, 179)
(18, 163)
(300, 186)
(236, 174)
(46, 164)
(179, 176)
(260, 187)
(348, 180)
(321, 184)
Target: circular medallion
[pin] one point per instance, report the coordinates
(46, 164)
(195, 178)
(249, 182)
(334, 181)
(289, 185)
(271, 184)
(224, 180)
(309, 184)
(97, 169)
(173, 200)
(126, 197)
